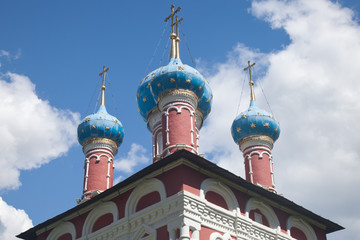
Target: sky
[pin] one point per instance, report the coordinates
(307, 73)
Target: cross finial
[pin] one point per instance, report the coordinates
(172, 16)
(103, 85)
(177, 39)
(173, 34)
(251, 83)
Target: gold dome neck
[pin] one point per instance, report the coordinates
(174, 36)
(102, 103)
(251, 82)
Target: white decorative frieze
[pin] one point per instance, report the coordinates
(194, 212)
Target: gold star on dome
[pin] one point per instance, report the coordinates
(138, 95)
(118, 133)
(243, 116)
(199, 88)
(144, 99)
(163, 71)
(87, 119)
(93, 126)
(180, 68)
(266, 125)
(232, 133)
(276, 130)
(107, 128)
(172, 80)
(207, 100)
(82, 130)
(188, 81)
(147, 77)
(115, 121)
(238, 129)
(148, 86)
(159, 84)
(153, 74)
(252, 125)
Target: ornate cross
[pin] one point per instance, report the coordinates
(172, 16)
(103, 85)
(251, 83)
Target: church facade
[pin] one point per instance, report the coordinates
(181, 195)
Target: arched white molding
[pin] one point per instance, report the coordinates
(145, 187)
(142, 230)
(302, 225)
(218, 236)
(65, 227)
(102, 209)
(268, 212)
(211, 184)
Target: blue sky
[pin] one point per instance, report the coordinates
(306, 63)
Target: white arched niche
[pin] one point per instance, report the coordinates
(216, 186)
(101, 210)
(254, 203)
(63, 228)
(143, 188)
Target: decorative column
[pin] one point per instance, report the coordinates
(155, 126)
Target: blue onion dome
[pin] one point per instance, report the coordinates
(100, 125)
(255, 122)
(175, 75)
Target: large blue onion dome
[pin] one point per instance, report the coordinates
(101, 125)
(175, 75)
(255, 122)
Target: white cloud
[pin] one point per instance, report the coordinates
(4, 53)
(313, 86)
(136, 156)
(12, 221)
(32, 131)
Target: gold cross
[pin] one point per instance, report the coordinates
(103, 85)
(172, 16)
(177, 24)
(251, 83)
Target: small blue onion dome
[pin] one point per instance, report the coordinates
(175, 75)
(101, 125)
(255, 122)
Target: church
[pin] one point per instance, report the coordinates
(181, 195)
